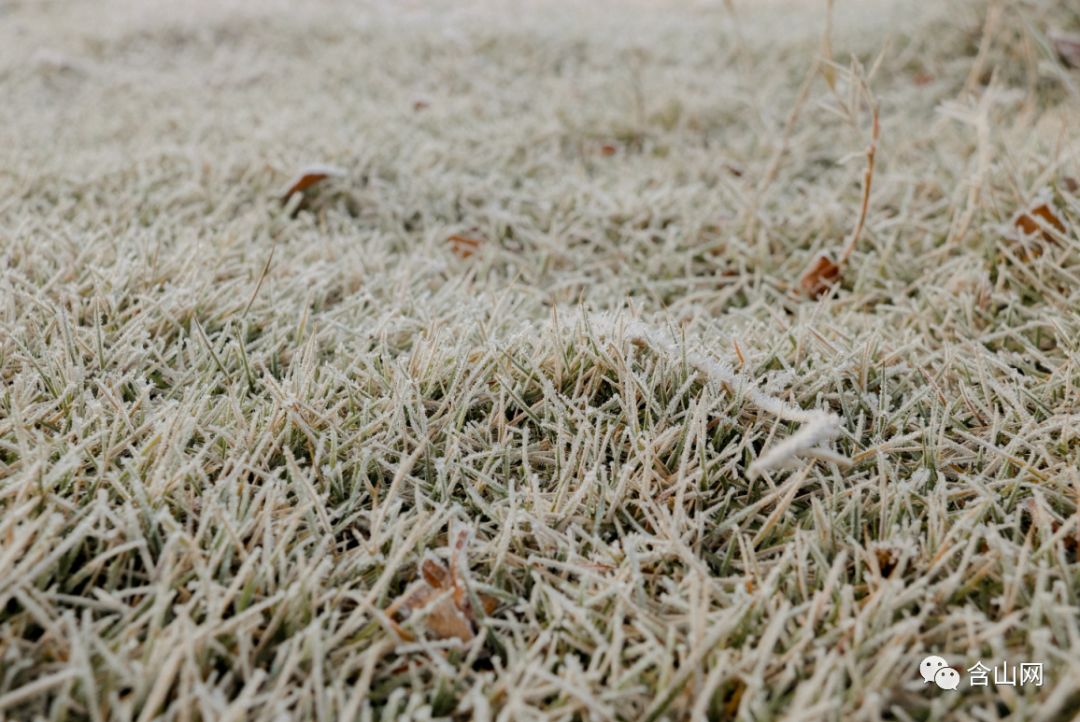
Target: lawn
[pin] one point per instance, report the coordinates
(538, 360)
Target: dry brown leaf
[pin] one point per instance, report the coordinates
(887, 560)
(443, 619)
(442, 597)
(1068, 49)
(463, 246)
(308, 177)
(822, 273)
(1040, 219)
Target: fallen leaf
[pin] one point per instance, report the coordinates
(463, 246)
(822, 273)
(308, 177)
(1040, 219)
(442, 617)
(887, 560)
(442, 597)
(1068, 49)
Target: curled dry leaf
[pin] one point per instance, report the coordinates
(1035, 230)
(1067, 48)
(1040, 219)
(308, 177)
(887, 558)
(442, 597)
(463, 246)
(822, 273)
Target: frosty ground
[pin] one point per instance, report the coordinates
(528, 413)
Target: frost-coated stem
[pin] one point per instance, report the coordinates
(818, 427)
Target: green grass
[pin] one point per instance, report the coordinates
(231, 431)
